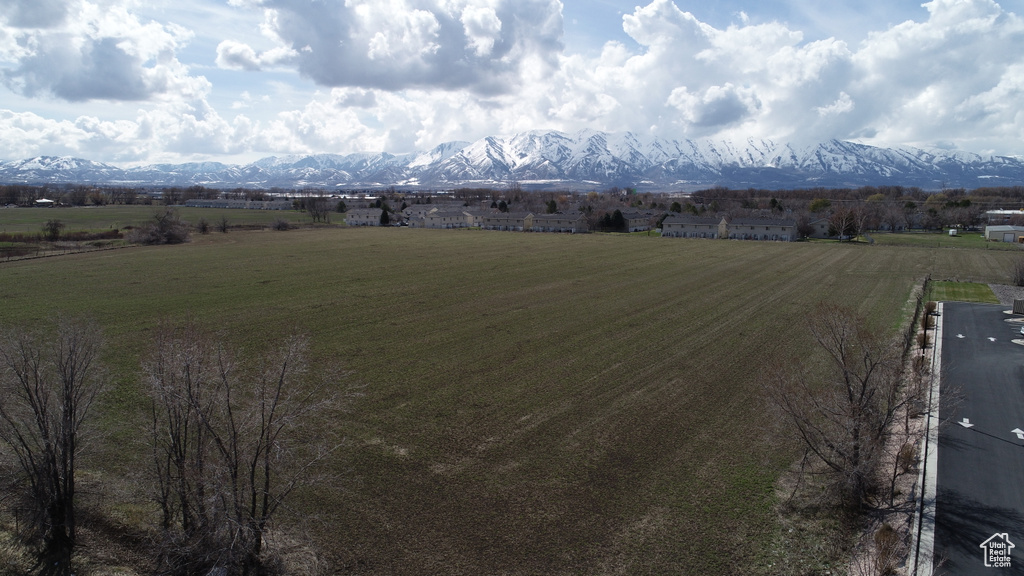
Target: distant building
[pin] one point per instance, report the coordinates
(241, 204)
(572, 223)
(447, 218)
(414, 214)
(821, 228)
(363, 216)
(511, 221)
(1005, 233)
(639, 220)
(763, 229)
(689, 227)
(1003, 216)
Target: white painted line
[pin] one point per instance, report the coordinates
(991, 339)
(960, 336)
(966, 423)
(1019, 433)
(924, 547)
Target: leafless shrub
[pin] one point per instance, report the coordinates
(222, 225)
(879, 555)
(907, 458)
(280, 224)
(166, 227)
(887, 547)
(52, 229)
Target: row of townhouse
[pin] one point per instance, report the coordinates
(241, 204)
(467, 218)
(764, 229)
(575, 222)
(530, 222)
(640, 220)
(446, 218)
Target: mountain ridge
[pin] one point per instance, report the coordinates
(551, 159)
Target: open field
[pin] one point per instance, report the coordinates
(118, 217)
(533, 403)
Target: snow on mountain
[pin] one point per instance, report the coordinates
(437, 154)
(587, 159)
(57, 169)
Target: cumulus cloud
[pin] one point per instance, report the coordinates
(170, 131)
(938, 78)
(33, 13)
(478, 45)
(482, 28)
(89, 51)
(842, 105)
(24, 134)
(944, 76)
(240, 56)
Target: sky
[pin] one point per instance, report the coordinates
(134, 82)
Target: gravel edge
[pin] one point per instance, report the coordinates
(1007, 294)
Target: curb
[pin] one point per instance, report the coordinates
(924, 523)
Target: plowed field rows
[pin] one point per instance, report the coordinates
(533, 404)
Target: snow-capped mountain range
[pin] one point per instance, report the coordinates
(587, 160)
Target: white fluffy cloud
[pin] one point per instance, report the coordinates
(477, 45)
(240, 56)
(79, 50)
(954, 75)
(165, 133)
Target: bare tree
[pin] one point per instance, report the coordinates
(221, 445)
(844, 416)
(909, 215)
(317, 205)
(804, 228)
(48, 384)
(893, 217)
(843, 223)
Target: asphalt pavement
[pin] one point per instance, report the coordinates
(979, 498)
